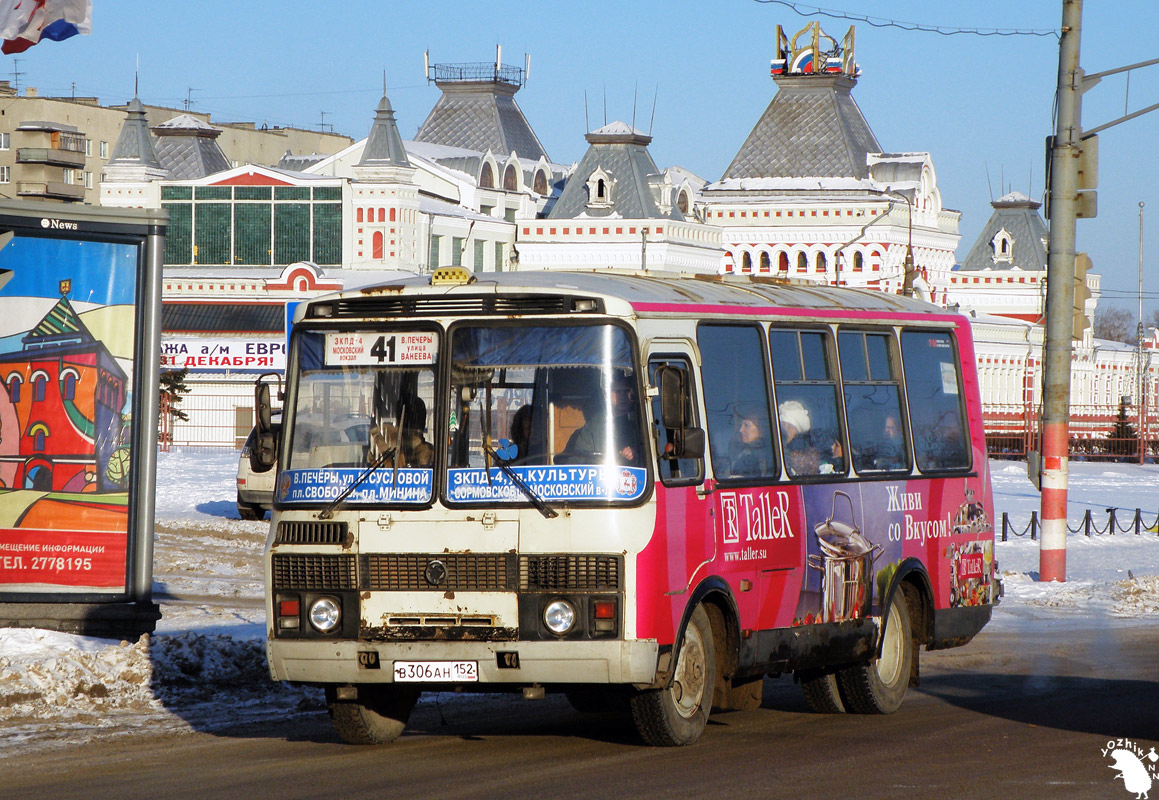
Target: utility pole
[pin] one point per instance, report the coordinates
(1140, 400)
(1060, 269)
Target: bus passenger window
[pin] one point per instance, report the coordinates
(807, 409)
(736, 389)
(871, 384)
(933, 387)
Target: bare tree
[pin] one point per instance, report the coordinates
(1116, 324)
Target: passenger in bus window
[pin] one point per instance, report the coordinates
(835, 460)
(800, 455)
(521, 433)
(413, 449)
(749, 453)
(591, 439)
(890, 449)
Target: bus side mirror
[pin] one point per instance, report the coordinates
(264, 453)
(670, 382)
(688, 442)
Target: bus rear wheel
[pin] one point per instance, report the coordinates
(879, 686)
(676, 715)
(822, 692)
(378, 716)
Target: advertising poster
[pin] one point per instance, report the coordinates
(67, 337)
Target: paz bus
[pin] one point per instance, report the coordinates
(645, 491)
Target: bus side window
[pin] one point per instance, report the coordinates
(933, 389)
(736, 399)
(871, 383)
(674, 470)
(808, 414)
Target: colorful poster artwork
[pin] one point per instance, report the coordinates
(67, 335)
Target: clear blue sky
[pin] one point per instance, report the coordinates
(975, 103)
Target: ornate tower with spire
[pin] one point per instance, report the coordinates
(385, 198)
(134, 163)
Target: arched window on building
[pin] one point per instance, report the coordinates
(392, 215)
(858, 261)
(68, 386)
(38, 387)
(802, 262)
(746, 263)
(382, 215)
(510, 179)
(682, 202)
(14, 388)
(486, 177)
(764, 262)
(539, 185)
(377, 247)
(360, 215)
(783, 262)
(822, 263)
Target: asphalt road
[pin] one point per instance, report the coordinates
(1012, 715)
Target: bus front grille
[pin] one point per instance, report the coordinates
(574, 573)
(310, 532)
(489, 572)
(444, 572)
(300, 571)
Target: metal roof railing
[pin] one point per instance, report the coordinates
(478, 72)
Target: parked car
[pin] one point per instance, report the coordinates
(255, 490)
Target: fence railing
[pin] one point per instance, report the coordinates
(1086, 526)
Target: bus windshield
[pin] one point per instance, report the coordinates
(359, 417)
(555, 408)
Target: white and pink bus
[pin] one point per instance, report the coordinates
(645, 491)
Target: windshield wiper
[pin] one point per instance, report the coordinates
(489, 453)
(537, 501)
(328, 511)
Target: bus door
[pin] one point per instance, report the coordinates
(683, 538)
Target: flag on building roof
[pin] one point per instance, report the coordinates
(23, 23)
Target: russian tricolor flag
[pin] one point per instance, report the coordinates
(23, 23)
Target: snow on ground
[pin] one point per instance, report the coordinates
(204, 668)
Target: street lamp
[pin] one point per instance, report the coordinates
(907, 286)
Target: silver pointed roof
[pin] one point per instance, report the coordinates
(1018, 215)
(481, 115)
(621, 153)
(384, 145)
(134, 145)
(813, 128)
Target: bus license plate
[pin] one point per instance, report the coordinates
(436, 671)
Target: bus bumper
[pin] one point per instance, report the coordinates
(608, 662)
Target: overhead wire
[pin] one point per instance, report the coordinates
(883, 22)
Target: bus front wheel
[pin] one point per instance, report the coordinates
(879, 686)
(378, 716)
(676, 715)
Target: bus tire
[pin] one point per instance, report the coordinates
(378, 716)
(822, 691)
(249, 510)
(676, 715)
(879, 686)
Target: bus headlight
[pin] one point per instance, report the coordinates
(559, 616)
(325, 614)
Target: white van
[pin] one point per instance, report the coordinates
(255, 490)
